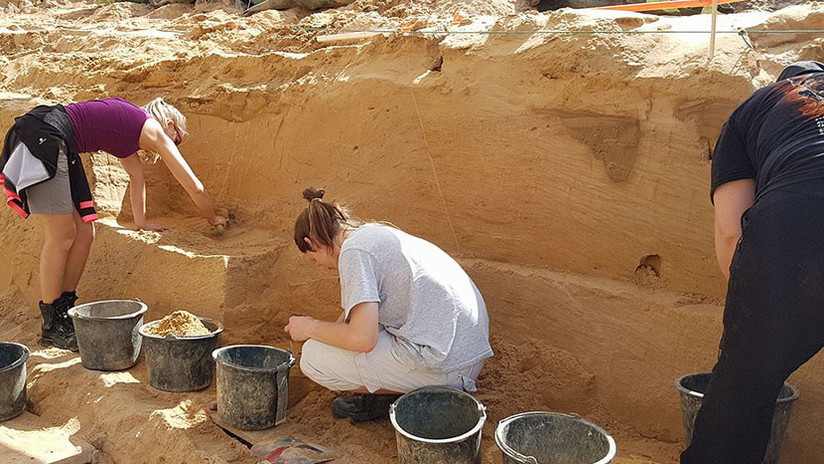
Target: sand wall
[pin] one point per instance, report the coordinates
(568, 173)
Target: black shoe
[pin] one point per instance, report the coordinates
(360, 408)
(57, 328)
(70, 298)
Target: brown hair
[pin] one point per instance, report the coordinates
(321, 221)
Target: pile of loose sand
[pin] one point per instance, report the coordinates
(180, 324)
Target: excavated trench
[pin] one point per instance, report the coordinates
(568, 173)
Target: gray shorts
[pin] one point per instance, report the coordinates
(53, 196)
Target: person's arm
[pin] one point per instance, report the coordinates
(731, 200)
(153, 138)
(137, 193)
(732, 190)
(359, 334)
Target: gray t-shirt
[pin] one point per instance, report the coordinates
(425, 299)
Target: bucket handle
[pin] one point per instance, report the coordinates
(530, 459)
(290, 363)
(523, 457)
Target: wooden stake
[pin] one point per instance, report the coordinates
(345, 36)
(712, 30)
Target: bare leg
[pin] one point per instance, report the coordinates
(78, 253)
(60, 233)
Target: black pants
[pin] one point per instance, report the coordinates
(773, 323)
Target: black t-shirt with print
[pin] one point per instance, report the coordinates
(775, 137)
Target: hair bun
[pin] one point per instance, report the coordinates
(312, 193)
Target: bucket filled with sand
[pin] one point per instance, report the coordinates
(178, 351)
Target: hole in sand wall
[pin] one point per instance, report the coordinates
(438, 64)
(710, 147)
(649, 264)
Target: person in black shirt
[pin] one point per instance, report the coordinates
(768, 194)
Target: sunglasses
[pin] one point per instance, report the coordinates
(179, 137)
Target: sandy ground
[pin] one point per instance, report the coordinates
(568, 172)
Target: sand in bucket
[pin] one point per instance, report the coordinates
(179, 324)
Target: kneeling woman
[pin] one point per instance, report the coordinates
(411, 316)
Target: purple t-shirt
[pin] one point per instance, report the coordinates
(112, 125)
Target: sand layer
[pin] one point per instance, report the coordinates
(568, 172)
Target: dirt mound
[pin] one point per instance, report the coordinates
(179, 323)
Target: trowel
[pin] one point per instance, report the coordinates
(292, 450)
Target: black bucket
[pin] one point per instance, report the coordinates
(179, 364)
(107, 333)
(691, 389)
(553, 438)
(438, 425)
(252, 385)
(13, 358)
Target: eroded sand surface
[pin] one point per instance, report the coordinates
(568, 172)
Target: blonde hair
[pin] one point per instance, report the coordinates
(164, 112)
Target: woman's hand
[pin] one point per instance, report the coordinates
(218, 220)
(359, 334)
(154, 139)
(300, 328)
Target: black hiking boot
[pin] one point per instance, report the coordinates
(360, 408)
(70, 298)
(57, 329)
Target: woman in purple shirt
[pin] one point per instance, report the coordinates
(120, 128)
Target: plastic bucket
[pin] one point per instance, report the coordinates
(691, 389)
(252, 385)
(13, 358)
(178, 364)
(107, 333)
(553, 438)
(438, 425)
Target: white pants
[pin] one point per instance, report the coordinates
(344, 370)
